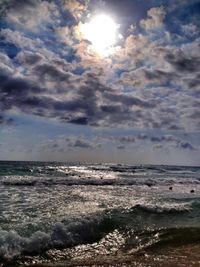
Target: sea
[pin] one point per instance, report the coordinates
(65, 214)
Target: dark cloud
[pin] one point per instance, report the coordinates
(111, 108)
(158, 141)
(194, 82)
(142, 137)
(29, 58)
(80, 143)
(68, 104)
(63, 144)
(184, 64)
(121, 147)
(186, 145)
(160, 77)
(175, 141)
(129, 100)
(126, 139)
(17, 92)
(80, 121)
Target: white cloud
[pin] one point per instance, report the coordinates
(155, 19)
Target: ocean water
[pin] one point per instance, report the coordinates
(78, 215)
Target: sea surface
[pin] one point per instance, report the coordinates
(57, 214)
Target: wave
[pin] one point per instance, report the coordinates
(63, 235)
(17, 180)
(87, 230)
(61, 169)
(165, 208)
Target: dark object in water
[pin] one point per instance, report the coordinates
(192, 191)
(170, 188)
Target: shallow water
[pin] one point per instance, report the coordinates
(55, 212)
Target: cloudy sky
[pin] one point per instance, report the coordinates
(100, 81)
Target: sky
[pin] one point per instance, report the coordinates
(100, 81)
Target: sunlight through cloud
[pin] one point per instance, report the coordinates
(101, 31)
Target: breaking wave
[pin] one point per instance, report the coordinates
(83, 231)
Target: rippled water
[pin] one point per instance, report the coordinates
(51, 212)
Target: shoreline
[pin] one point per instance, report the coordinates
(183, 256)
(164, 256)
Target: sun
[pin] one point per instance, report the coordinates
(101, 32)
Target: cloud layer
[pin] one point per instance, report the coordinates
(151, 81)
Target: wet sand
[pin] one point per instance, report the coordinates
(182, 256)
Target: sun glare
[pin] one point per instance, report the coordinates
(101, 31)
